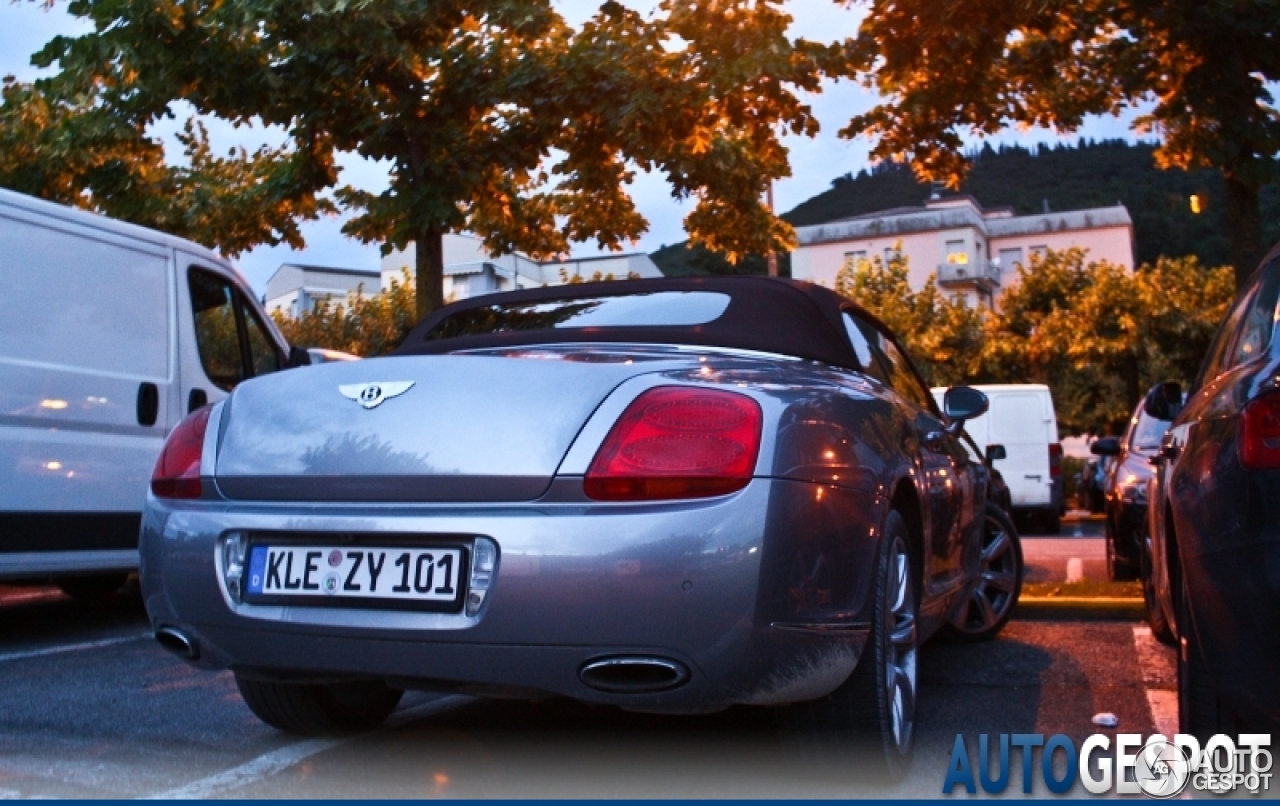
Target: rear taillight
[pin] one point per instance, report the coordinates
(1055, 460)
(678, 442)
(1260, 433)
(177, 473)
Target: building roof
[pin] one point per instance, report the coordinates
(958, 212)
(330, 269)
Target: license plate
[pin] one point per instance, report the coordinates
(384, 575)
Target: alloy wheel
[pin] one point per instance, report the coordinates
(997, 587)
(900, 666)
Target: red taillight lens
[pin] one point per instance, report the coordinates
(177, 473)
(1260, 433)
(1055, 460)
(678, 442)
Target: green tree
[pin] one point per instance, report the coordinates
(366, 326)
(70, 149)
(1201, 67)
(943, 336)
(494, 116)
(1097, 334)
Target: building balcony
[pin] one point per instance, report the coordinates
(982, 275)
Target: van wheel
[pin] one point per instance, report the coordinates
(999, 583)
(868, 723)
(92, 589)
(318, 708)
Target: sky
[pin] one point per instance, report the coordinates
(25, 26)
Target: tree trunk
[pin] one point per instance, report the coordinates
(428, 256)
(1244, 227)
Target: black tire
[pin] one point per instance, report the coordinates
(868, 723)
(1156, 619)
(92, 589)
(319, 708)
(996, 592)
(1201, 713)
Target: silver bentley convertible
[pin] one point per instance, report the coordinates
(666, 495)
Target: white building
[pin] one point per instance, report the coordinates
(469, 271)
(974, 252)
(297, 288)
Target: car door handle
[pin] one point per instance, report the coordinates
(197, 399)
(148, 403)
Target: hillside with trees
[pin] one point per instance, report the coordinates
(1065, 177)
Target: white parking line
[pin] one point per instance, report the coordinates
(1075, 570)
(58, 650)
(1162, 702)
(285, 757)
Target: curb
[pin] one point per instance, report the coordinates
(1080, 608)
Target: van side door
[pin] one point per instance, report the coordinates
(86, 379)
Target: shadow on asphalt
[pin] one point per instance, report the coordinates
(46, 616)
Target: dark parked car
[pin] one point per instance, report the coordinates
(1124, 491)
(1215, 521)
(667, 495)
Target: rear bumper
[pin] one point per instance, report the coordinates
(763, 596)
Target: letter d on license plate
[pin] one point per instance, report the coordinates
(381, 575)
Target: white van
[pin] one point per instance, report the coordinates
(109, 334)
(1022, 419)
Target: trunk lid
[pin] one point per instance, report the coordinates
(428, 428)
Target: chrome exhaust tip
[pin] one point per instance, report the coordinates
(633, 675)
(177, 642)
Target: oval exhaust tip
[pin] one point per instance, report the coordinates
(177, 642)
(633, 675)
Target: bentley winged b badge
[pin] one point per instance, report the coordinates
(371, 395)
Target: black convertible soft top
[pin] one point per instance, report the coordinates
(766, 314)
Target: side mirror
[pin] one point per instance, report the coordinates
(996, 452)
(962, 403)
(1106, 446)
(1164, 401)
(299, 357)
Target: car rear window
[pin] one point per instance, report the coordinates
(658, 309)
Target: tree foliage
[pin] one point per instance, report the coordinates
(1097, 334)
(494, 116)
(1198, 71)
(366, 326)
(68, 148)
(943, 336)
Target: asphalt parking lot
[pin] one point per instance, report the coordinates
(90, 706)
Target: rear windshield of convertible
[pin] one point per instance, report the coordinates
(657, 309)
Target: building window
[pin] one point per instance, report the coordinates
(956, 253)
(852, 260)
(891, 254)
(1010, 259)
(1039, 251)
